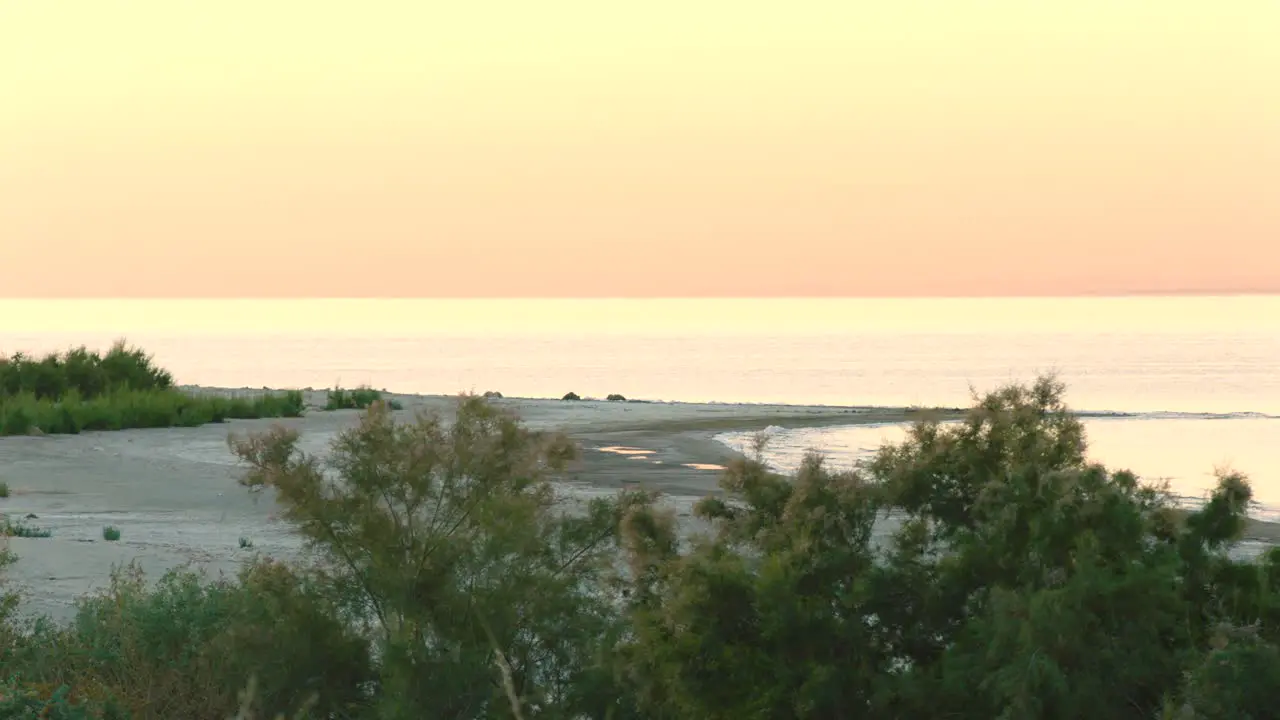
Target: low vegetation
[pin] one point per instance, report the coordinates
(981, 569)
(571, 396)
(82, 390)
(615, 397)
(18, 528)
(358, 399)
(4, 489)
(111, 533)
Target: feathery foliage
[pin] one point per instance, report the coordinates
(445, 541)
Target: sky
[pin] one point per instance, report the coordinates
(568, 148)
(56, 324)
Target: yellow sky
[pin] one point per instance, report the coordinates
(134, 318)
(944, 147)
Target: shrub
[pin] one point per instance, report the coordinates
(615, 397)
(79, 391)
(110, 533)
(287, 404)
(1237, 678)
(4, 489)
(571, 396)
(448, 541)
(123, 409)
(9, 528)
(87, 373)
(245, 543)
(493, 394)
(1022, 582)
(19, 701)
(358, 399)
(187, 646)
(8, 598)
(15, 418)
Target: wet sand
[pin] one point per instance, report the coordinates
(173, 492)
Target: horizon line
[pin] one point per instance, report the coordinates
(615, 298)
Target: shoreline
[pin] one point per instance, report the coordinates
(316, 396)
(173, 492)
(686, 432)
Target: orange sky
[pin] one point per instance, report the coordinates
(576, 148)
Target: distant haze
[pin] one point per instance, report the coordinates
(152, 148)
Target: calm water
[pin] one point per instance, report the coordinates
(1182, 361)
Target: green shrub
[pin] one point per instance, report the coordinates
(493, 394)
(615, 397)
(339, 399)
(571, 396)
(15, 417)
(1022, 582)
(1238, 679)
(4, 489)
(357, 399)
(364, 396)
(19, 701)
(451, 538)
(88, 373)
(9, 528)
(82, 391)
(110, 533)
(360, 398)
(245, 543)
(287, 404)
(186, 647)
(123, 409)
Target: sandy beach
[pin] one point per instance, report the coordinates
(173, 492)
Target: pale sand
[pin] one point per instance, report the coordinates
(174, 496)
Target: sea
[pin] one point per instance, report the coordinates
(1192, 384)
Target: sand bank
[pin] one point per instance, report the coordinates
(173, 492)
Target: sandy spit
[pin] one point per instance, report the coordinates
(173, 492)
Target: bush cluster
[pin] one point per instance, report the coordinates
(982, 569)
(358, 399)
(18, 528)
(180, 648)
(82, 390)
(87, 373)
